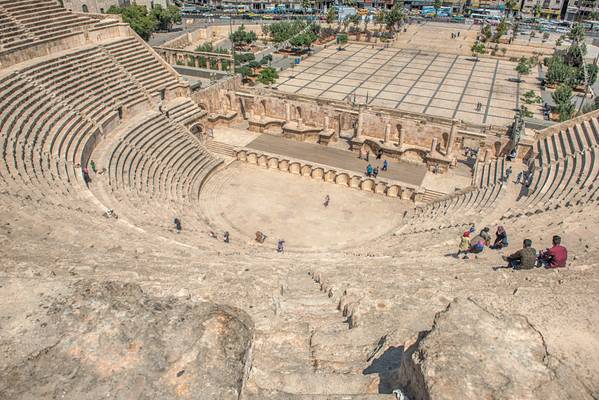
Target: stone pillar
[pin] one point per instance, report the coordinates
(219, 64)
(433, 145)
(360, 123)
(387, 132)
(451, 137)
(287, 112)
(196, 62)
(401, 137)
(487, 156)
(327, 122)
(300, 123)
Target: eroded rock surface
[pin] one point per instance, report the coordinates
(472, 353)
(111, 340)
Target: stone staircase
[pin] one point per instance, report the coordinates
(223, 149)
(303, 349)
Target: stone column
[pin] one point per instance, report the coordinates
(360, 123)
(219, 64)
(327, 122)
(487, 156)
(196, 62)
(433, 145)
(451, 137)
(387, 132)
(287, 112)
(299, 123)
(401, 137)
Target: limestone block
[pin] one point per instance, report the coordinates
(317, 173)
(263, 161)
(242, 155)
(329, 176)
(380, 188)
(273, 163)
(355, 182)
(342, 179)
(306, 170)
(393, 191)
(294, 168)
(470, 354)
(252, 158)
(406, 194)
(367, 185)
(284, 165)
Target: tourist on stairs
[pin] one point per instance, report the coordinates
(464, 244)
(524, 258)
(556, 256)
(500, 239)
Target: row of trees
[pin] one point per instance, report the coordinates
(392, 19)
(568, 70)
(145, 22)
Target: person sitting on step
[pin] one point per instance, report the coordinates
(525, 258)
(556, 256)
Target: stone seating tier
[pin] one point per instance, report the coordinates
(141, 64)
(28, 21)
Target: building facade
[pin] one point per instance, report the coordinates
(102, 6)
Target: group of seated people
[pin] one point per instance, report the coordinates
(525, 258)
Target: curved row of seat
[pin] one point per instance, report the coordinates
(28, 21)
(142, 65)
(161, 159)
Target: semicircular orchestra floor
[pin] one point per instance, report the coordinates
(244, 199)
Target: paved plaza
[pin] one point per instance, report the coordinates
(438, 84)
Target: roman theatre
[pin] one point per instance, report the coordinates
(122, 168)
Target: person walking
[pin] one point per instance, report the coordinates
(385, 165)
(226, 237)
(375, 172)
(327, 199)
(369, 170)
(177, 223)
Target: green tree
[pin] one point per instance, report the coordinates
(577, 33)
(523, 67)
(437, 4)
(395, 17)
(562, 96)
(510, 5)
(537, 10)
(303, 40)
(268, 76)
(501, 30)
(487, 32)
(331, 15)
(246, 71)
(138, 18)
(341, 40)
(166, 17)
(478, 48)
(526, 113)
(242, 37)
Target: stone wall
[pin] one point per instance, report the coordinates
(213, 98)
(328, 174)
(52, 46)
(190, 40)
(411, 135)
